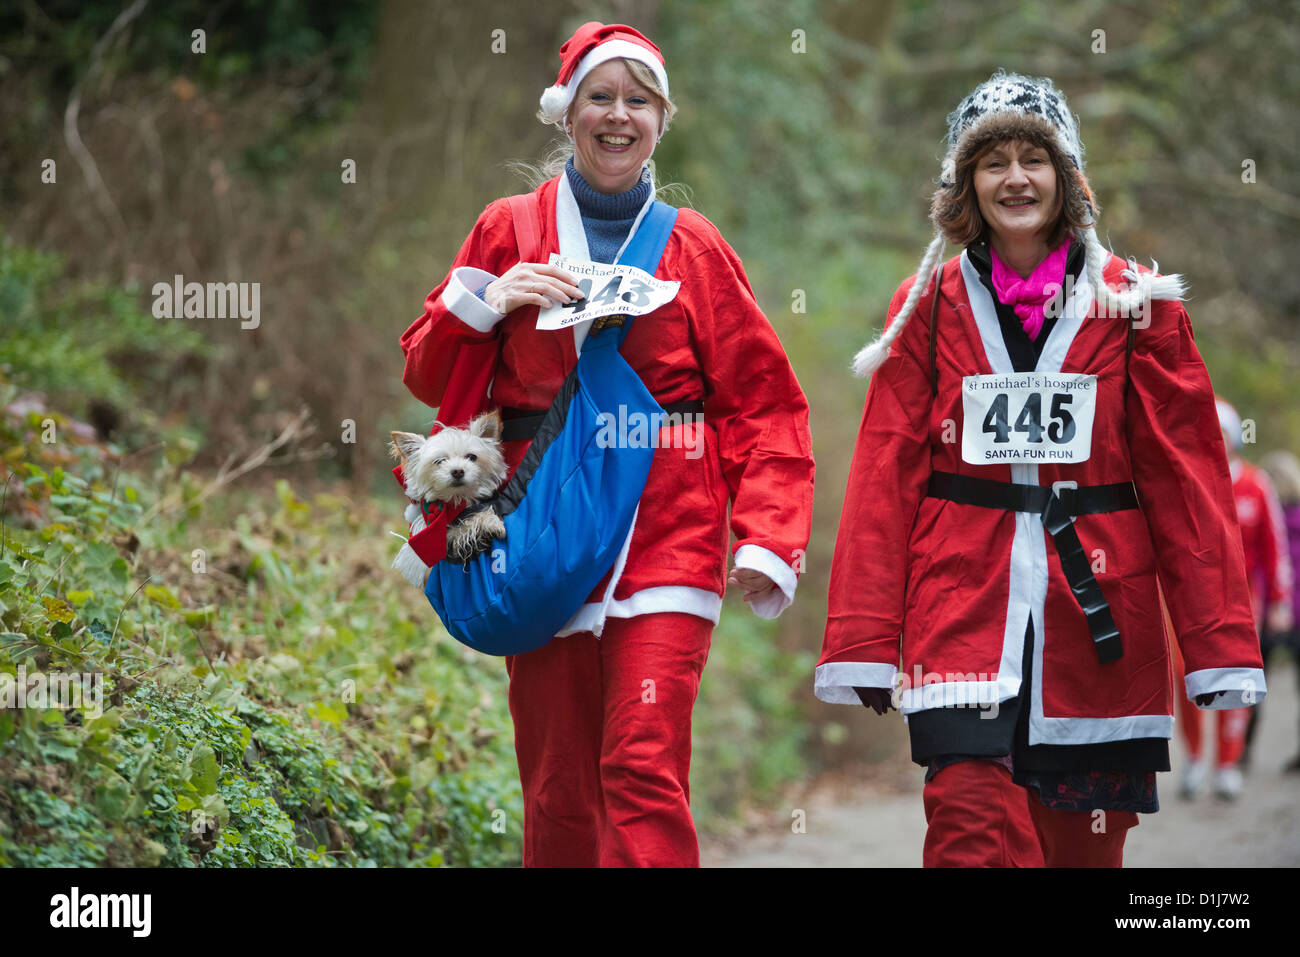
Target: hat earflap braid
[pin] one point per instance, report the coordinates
(873, 355)
(1145, 286)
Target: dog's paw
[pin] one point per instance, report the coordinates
(493, 527)
(460, 543)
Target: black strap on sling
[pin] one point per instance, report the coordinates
(523, 424)
(1056, 506)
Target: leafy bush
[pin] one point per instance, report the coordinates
(82, 341)
(226, 736)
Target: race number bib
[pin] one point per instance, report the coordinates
(608, 290)
(1027, 418)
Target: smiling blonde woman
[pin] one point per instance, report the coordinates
(602, 712)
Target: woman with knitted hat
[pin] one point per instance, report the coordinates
(1038, 448)
(602, 712)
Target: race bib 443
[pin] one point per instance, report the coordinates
(1027, 418)
(607, 290)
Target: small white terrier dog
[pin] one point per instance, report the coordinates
(454, 466)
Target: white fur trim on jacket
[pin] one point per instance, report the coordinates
(412, 567)
(648, 601)
(1242, 687)
(834, 682)
(460, 299)
(763, 560)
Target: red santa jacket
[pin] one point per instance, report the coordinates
(1263, 538)
(950, 586)
(711, 343)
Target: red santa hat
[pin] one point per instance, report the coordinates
(591, 45)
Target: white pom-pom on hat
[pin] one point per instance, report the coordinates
(555, 100)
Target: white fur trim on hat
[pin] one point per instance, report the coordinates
(555, 99)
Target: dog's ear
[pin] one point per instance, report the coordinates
(404, 445)
(487, 425)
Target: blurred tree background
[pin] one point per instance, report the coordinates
(809, 131)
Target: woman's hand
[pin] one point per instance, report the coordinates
(878, 700)
(755, 583)
(531, 284)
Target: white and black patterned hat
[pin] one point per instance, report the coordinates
(1008, 105)
(1011, 93)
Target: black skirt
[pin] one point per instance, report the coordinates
(1110, 776)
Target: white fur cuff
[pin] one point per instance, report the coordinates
(763, 560)
(459, 298)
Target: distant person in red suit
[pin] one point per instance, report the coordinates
(1284, 470)
(1268, 571)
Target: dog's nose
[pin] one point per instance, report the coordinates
(458, 474)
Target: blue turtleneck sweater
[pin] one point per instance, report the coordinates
(607, 218)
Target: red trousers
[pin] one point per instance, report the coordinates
(1233, 723)
(603, 737)
(979, 817)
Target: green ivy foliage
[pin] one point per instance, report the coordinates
(225, 736)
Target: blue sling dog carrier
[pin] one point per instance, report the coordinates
(571, 502)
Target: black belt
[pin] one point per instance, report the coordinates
(1056, 506)
(523, 424)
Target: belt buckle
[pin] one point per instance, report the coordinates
(605, 322)
(1067, 483)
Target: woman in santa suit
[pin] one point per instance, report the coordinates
(1038, 449)
(602, 712)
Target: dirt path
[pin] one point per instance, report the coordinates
(874, 817)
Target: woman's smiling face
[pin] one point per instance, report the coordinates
(614, 122)
(1015, 183)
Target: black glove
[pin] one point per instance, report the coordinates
(878, 700)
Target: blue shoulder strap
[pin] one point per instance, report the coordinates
(645, 249)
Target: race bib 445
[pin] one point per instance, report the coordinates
(1027, 418)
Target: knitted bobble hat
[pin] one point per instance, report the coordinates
(1009, 106)
(591, 45)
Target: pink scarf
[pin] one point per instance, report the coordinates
(1028, 297)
